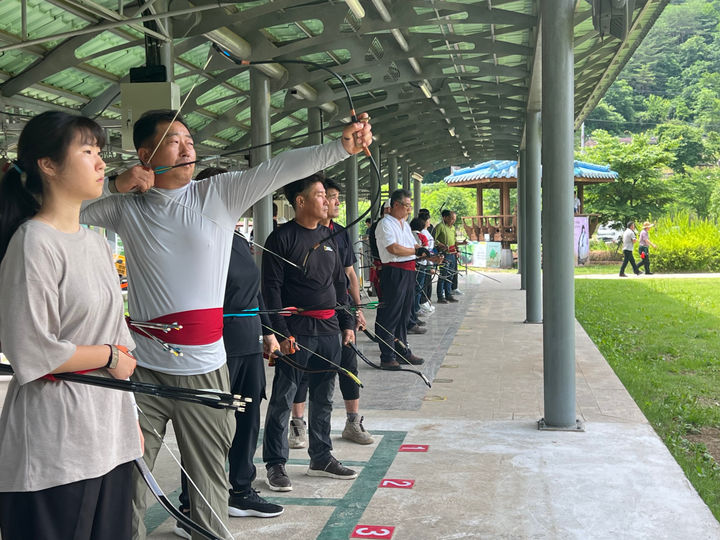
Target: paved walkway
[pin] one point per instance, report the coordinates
(487, 471)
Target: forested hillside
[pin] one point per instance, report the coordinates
(659, 123)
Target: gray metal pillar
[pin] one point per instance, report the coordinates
(260, 134)
(417, 197)
(351, 203)
(375, 184)
(405, 175)
(521, 218)
(392, 173)
(557, 193)
(314, 124)
(533, 278)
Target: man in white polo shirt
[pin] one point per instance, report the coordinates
(398, 250)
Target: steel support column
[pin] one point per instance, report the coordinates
(314, 126)
(375, 184)
(392, 173)
(533, 278)
(557, 198)
(260, 134)
(351, 203)
(417, 197)
(406, 175)
(521, 218)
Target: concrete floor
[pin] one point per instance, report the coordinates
(487, 472)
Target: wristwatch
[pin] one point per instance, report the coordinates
(114, 357)
(111, 183)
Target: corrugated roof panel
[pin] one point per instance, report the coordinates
(79, 82)
(14, 62)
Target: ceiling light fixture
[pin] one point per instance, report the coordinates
(356, 7)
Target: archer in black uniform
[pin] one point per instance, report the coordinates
(316, 291)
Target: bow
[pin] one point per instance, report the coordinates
(211, 398)
(158, 493)
(291, 362)
(372, 364)
(376, 339)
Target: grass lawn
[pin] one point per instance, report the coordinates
(662, 338)
(613, 268)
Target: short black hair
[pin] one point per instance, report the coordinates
(300, 187)
(446, 213)
(332, 184)
(145, 127)
(275, 209)
(207, 172)
(398, 195)
(630, 224)
(417, 223)
(424, 212)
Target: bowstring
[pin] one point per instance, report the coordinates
(184, 471)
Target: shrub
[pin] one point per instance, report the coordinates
(685, 244)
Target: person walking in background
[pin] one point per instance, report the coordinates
(644, 247)
(629, 240)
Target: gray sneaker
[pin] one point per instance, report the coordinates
(355, 432)
(332, 469)
(297, 434)
(277, 478)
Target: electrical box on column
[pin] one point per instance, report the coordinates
(137, 98)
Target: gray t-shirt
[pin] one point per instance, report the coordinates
(178, 244)
(628, 239)
(59, 290)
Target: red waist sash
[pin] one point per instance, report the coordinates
(199, 327)
(318, 313)
(405, 265)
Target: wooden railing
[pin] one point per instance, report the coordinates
(500, 228)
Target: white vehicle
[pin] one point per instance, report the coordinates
(608, 232)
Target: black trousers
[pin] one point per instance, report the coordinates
(348, 388)
(628, 258)
(93, 509)
(392, 319)
(645, 259)
(284, 389)
(247, 378)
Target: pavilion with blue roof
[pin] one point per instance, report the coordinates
(502, 175)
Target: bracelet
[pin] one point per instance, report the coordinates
(114, 357)
(111, 184)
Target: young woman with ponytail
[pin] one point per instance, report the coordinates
(66, 449)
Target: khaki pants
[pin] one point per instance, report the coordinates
(203, 436)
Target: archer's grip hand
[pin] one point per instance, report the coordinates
(422, 252)
(357, 136)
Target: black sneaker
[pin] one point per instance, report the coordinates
(277, 478)
(332, 469)
(182, 530)
(452, 299)
(441, 301)
(420, 323)
(417, 330)
(250, 504)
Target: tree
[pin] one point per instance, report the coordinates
(640, 190)
(690, 148)
(439, 194)
(693, 190)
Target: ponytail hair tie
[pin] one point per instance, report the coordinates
(23, 174)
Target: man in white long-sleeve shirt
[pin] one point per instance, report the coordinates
(397, 249)
(177, 239)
